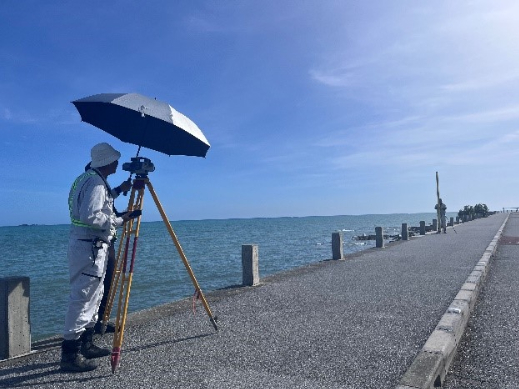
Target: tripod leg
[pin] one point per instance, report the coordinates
(114, 282)
(116, 276)
(124, 290)
(198, 290)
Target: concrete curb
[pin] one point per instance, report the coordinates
(430, 366)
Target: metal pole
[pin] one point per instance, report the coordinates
(438, 211)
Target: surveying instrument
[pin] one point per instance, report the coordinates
(125, 256)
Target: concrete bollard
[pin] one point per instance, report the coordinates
(457, 220)
(249, 262)
(435, 225)
(405, 231)
(451, 223)
(422, 228)
(15, 326)
(379, 237)
(337, 248)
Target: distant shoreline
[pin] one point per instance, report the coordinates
(247, 218)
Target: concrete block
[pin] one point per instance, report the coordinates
(405, 231)
(485, 259)
(250, 264)
(15, 324)
(468, 296)
(440, 342)
(379, 236)
(454, 324)
(460, 307)
(425, 371)
(474, 277)
(422, 228)
(470, 286)
(465, 295)
(337, 245)
(479, 273)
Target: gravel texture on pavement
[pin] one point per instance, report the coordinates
(488, 354)
(356, 323)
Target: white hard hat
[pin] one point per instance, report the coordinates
(103, 154)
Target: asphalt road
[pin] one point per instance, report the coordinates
(357, 323)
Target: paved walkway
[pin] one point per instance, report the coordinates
(488, 355)
(358, 323)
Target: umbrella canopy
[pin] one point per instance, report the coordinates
(146, 122)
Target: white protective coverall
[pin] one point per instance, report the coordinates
(443, 215)
(93, 228)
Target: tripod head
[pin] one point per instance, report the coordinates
(139, 166)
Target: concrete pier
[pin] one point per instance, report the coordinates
(379, 237)
(405, 231)
(15, 326)
(250, 264)
(337, 245)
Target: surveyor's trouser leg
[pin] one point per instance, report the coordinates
(87, 267)
(110, 268)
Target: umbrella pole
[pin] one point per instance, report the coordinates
(127, 276)
(198, 290)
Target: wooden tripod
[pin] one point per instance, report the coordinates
(123, 274)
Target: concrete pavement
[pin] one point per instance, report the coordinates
(357, 323)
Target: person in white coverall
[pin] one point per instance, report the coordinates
(443, 216)
(93, 226)
(110, 265)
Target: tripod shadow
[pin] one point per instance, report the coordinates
(166, 342)
(47, 344)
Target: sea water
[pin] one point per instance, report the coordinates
(212, 247)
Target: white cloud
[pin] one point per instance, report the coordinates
(484, 82)
(453, 47)
(495, 116)
(202, 24)
(334, 80)
(18, 117)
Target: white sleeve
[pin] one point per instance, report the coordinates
(92, 210)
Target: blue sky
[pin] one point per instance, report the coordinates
(311, 107)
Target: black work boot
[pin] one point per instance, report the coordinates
(98, 328)
(71, 358)
(89, 349)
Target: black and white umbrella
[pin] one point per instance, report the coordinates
(143, 121)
